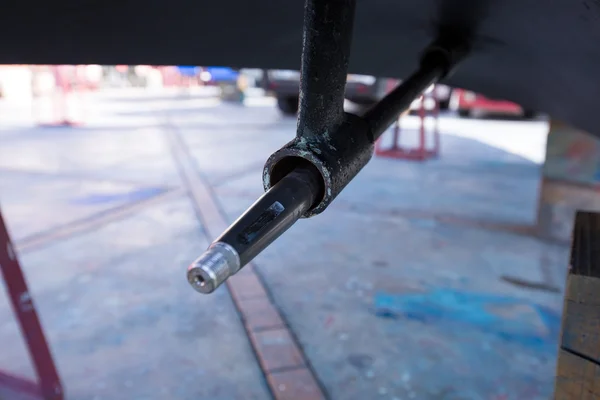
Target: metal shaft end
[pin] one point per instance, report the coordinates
(213, 267)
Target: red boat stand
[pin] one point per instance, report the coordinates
(68, 82)
(421, 152)
(48, 386)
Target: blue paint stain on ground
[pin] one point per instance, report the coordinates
(137, 194)
(508, 318)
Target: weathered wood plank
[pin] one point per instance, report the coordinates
(576, 378)
(578, 369)
(581, 321)
(585, 248)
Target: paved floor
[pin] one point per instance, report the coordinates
(396, 292)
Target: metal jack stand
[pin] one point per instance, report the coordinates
(68, 84)
(330, 147)
(421, 153)
(48, 386)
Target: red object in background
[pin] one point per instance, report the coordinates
(48, 386)
(391, 85)
(170, 76)
(465, 102)
(420, 153)
(68, 82)
(362, 88)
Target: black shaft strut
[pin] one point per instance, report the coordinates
(331, 147)
(436, 62)
(386, 112)
(325, 53)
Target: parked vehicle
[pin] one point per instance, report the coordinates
(363, 90)
(360, 89)
(285, 84)
(468, 104)
(366, 89)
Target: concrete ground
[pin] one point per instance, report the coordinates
(398, 291)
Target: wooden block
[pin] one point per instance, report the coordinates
(585, 247)
(576, 378)
(581, 318)
(578, 369)
(583, 289)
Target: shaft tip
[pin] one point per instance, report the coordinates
(213, 267)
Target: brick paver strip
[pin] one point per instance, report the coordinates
(246, 287)
(278, 353)
(277, 350)
(296, 384)
(260, 314)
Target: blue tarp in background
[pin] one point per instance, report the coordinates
(222, 74)
(188, 70)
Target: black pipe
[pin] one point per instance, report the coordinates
(273, 213)
(330, 148)
(263, 222)
(327, 38)
(438, 61)
(386, 111)
(299, 184)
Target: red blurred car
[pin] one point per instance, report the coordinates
(468, 104)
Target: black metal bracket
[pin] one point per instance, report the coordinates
(330, 148)
(338, 144)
